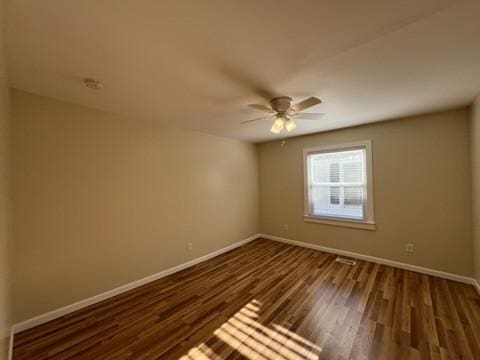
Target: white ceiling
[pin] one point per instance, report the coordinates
(197, 64)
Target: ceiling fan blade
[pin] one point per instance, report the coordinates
(305, 104)
(308, 116)
(257, 119)
(261, 108)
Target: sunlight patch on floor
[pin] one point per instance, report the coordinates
(243, 333)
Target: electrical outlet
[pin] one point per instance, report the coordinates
(409, 248)
(189, 246)
(285, 226)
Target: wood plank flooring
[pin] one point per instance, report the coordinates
(268, 300)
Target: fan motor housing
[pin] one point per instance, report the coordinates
(281, 104)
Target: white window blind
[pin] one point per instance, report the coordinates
(337, 183)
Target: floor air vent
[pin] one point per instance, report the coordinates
(345, 261)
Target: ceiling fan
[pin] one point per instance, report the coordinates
(284, 112)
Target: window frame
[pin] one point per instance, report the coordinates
(368, 223)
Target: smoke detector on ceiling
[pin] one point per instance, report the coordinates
(93, 84)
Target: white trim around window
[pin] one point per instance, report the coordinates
(366, 220)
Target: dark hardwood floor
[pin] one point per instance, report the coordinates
(268, 300)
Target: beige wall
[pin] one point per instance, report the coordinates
(421, 191)
(475, 158)
(5, 243)
(100, 200)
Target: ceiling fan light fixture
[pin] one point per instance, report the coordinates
(290, 125)
(278, 125)
(279, 122)
(275, 129)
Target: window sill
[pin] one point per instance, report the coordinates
(344, 223)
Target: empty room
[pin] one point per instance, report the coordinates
(222, 179)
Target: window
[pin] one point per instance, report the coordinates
(338, 185)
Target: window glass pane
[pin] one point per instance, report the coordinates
(334, 172)
(321, 174)
(334, 195)
(353, 195)
(352, 171)
(337, 183)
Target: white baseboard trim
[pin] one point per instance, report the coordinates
(397, 264)
(41, 319)
(476, 285)
(10, 345)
